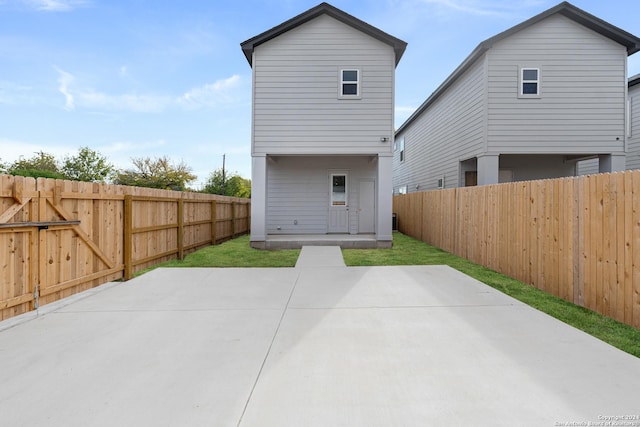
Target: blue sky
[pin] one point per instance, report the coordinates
(149, 78)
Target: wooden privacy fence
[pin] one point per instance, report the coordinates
(576, 238)
(59, 237)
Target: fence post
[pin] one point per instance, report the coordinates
(248, 217)
(214, 221)
(128, 237)
(233, 219)
(180, 228)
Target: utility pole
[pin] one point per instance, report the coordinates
(224, 178)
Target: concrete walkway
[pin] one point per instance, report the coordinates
(320, 256)
(307, 346)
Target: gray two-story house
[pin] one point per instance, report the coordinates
(528, 103)
(633, 125)
(322, 130)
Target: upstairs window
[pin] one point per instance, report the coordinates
(350, 83)
(401, 148)
(530, 82)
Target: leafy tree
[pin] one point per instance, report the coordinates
(3, 167)
(156, 173)
(227, 185)
(40, 165)
(88, 165)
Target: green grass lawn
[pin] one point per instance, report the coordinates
(234, 253)
(409, 251)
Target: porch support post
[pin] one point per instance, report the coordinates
(614, 162)
(384, 234)
(488, 166)
(259, 201)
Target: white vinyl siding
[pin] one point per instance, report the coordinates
(298, 192)
(295, 107)
(633, 141)
(582, 80)
(451, 129)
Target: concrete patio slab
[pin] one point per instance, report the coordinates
(361, 287)
(197, 289)
(313, 346)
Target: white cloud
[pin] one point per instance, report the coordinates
(206, 96)
(502, 8)
(65, 80)
(211, 95)
(405, 110)
(13, 149)
(13, 93)
(130, 147)
(55, 5)
(127, 102)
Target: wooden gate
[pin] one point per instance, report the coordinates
(61, 237)
(58, 238)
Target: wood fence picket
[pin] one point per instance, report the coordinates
(60, 237)
(577, 238)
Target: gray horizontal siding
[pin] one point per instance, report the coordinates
(587, 167)
(450, 130)
(581, 108)
(298, 190)
(296, 81)
(633, 142)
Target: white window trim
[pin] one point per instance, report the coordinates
(401, 148)
(440, 182)
(403, 189)
(358, 83)
(522, 81)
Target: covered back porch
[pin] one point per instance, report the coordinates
(321, 200)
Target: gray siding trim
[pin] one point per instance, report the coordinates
(633, 141)
(249, 45)
(450, 131)
(628, 40)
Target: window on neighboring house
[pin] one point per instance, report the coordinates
(401, 148)
(350, 83)
(529, 82)
(402, 190)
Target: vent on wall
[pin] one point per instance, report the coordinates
(441, 182)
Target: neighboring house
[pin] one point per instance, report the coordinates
(528, 103)
(632, 129)
(322, 128)
(633, 126)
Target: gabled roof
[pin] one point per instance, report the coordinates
(323, 8)
(631, 42)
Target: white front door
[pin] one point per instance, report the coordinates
(338, 203)
(366, 207)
